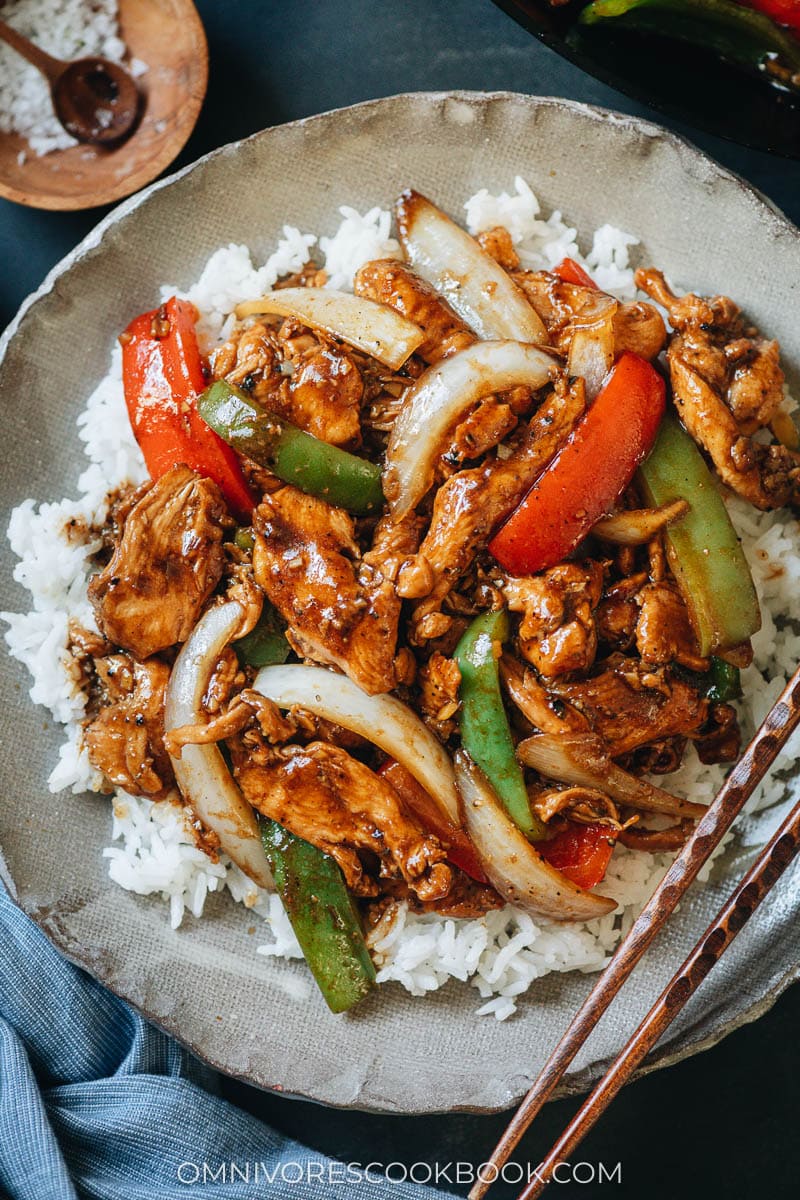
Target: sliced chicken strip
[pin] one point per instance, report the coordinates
(323, 795)
(126, 739)
(341, 611)
(165, 566)
(557, 633)
(391, 282)
(564, 306)
(631, 704)
(471, 504)
(728, 384)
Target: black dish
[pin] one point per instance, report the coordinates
(685, 82)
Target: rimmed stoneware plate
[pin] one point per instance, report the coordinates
(204, 983)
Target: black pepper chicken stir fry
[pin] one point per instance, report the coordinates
(428, 579)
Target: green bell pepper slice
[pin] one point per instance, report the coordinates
(704, 551)
(266, 643)
(485, 733)
(724, 682)
(244, 539)
(313, 466)
(323, 916)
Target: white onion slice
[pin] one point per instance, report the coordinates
(511, 863)
(475, 285)
(382, 720)
(591, 348)
(638, 526)
(375, 328)
(439, 397)
(202, 775)
(582, 759)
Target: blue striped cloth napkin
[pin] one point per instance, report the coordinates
(94, 1102)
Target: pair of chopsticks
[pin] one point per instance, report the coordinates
(772, 735)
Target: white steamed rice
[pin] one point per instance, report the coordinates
(152, 851)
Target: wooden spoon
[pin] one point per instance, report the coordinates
(96, 100)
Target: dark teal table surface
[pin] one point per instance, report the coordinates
(722, 1123)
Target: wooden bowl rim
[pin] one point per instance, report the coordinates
(152, 168)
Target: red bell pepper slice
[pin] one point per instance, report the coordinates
(572, 272)
(162, 374)
(461, 851)
(589, 474)
(784, 12)
(581, 852)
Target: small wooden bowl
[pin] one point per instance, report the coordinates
(168, 35)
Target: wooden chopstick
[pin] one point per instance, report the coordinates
(776, 856)
(777, 727)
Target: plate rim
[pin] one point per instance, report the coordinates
(573, 1084)
(94, 237)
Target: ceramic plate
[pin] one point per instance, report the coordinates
(204, 983)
